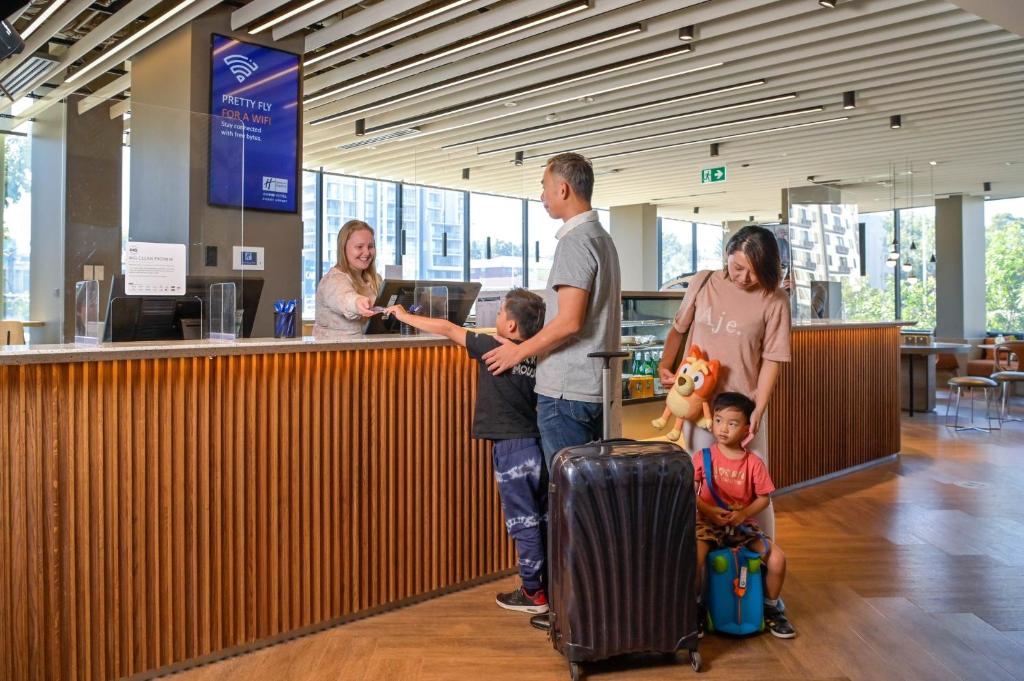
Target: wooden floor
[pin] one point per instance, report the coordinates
(910, 570)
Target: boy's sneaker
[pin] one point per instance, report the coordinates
(524, 601)
(777, 623)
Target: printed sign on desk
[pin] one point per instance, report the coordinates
(154, 269)
(254, 102)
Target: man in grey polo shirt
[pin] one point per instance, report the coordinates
(584, 312)
(584, 315)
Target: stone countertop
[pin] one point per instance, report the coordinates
(71, 352)
(812, 324)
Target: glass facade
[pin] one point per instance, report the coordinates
(677, 252)
(541, 242)
(496, 246)
(16, 235)
(1004, 265)
(433, 233)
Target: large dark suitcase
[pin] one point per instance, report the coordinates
(622, 550)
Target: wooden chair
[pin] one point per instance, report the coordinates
(12, 333)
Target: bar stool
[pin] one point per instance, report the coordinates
(1007, 371)
(988, 388)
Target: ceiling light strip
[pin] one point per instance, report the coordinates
(699, 128)
(541, 87)
(629, 109)
(41, 19)
(287, 15)
(373, 35)
(460, 48)
(737, 135)
(546, 105)
(482, 73)
(177, 9)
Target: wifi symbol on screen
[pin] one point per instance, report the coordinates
(241, 66)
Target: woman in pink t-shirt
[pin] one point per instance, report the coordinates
(740, 317)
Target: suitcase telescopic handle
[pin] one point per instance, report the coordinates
(606, 387)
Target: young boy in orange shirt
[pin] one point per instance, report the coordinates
(742, 482)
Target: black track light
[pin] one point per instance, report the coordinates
(696, 210)
(519, 158)
(360, 127)
(895, 122)
(750, 219)
(686, 33)
(987, 186)
(830, 4)
(849, 100)
(465, 173)
(714, 148)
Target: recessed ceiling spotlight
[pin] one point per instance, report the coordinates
(686, 33)
(586, 100)
(933, 163)
(551, 117)
(511, 103)
(987, 197)
(829, 4)
(849, 99)
(895, 122)
(810, 178)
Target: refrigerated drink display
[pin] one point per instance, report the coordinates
(646, 319)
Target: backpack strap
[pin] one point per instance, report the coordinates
(709, 476)
(745, 528)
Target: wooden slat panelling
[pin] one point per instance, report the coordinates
(155, 511)
(836, 404)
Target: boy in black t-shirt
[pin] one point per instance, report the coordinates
(506, 413)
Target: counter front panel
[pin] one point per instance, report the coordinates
(154, 511)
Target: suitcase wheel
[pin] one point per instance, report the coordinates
(695, 660)
(575, 671)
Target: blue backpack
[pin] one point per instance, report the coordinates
(734, 585)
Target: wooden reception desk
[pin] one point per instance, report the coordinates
(164, 502)
(837, 404)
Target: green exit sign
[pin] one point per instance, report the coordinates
(712, 175)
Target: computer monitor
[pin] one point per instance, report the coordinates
(185, 317)
(461, 296)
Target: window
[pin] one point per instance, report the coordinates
(676, 248)
(15, 227)
(310, 277)
(604, 216)
(872, 297)
(1004, 264)
(917, 276)
(496, 247)
(710, 247)
(373, 202)
(433, 224)
(542, 241)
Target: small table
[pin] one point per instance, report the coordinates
(929, 349)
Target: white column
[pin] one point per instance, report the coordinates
(635, 231)
(960, 268)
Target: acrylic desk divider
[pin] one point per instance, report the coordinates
(222, 311)
(432, 301)
(87, 313)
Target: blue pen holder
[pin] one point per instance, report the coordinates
(285, 318)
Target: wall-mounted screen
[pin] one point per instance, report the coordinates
(254, 130)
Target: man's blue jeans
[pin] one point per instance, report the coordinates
(567, 423)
